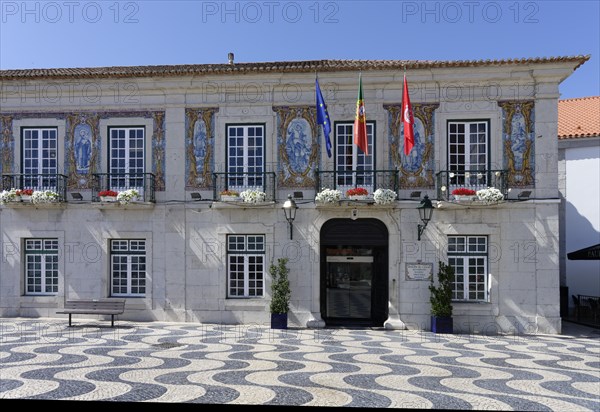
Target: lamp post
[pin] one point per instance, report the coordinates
(289, 209)
(425, 212)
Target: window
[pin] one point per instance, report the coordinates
(245, 156)
(39, 158)
(128, 267)
(351, 162)
(246, 266)
(468, 152)
(468, 255)
(41, 266)
(126, 158)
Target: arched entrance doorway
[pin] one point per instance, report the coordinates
(354, 272)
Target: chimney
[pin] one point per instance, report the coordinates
(230, 57)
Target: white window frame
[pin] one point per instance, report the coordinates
(250, 173)
(466, 254)
(349, 157)
(129, 252)
(41, 254)
(245, 251)
(465, 172)
(130, 142)
(45, 155)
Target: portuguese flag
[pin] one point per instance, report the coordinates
(360, 122)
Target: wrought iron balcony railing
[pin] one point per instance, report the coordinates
(449, 180)
(263, 181)
(118, 182)
(348, 179)
(54, 182)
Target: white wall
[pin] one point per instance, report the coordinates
(582, 217)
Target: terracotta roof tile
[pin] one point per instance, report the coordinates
(279, 67)
(579, 117)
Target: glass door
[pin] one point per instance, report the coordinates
(348, 287)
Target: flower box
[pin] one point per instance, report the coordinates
(26, 198)
(108, 198)
(464, 198)
(230, 198)
(357, 193)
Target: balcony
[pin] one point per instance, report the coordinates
(118, 182)
(263, 181)
(448, 180)
(348, 179)
(38, 182)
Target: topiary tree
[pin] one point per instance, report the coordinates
(441, 295)
(280, 287)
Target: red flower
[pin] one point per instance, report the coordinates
(463, 191)
(357, 191)
(25, 192)
(107, 193)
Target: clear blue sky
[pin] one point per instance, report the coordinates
(62, 33)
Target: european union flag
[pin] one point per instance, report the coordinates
(323, 118)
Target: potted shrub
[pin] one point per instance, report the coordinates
(490, 195)
(357, 193)
(280, 294)
(253, 196)
(44, 196)
(11, 195)
(230, 195)
(384, 196)
(328, 196)
(441, 300)
(127, 196)
(108, 196)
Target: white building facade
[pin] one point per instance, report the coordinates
(180, 135)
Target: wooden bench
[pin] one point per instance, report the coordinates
(110, 307)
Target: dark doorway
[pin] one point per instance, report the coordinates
(354, 272)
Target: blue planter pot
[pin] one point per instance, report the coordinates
(441, 324)
(279, 320)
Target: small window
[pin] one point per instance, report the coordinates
(128, 267)
(468, 256)
(245, 266)
(41, 266)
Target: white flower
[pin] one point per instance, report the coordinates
(8, 195)
(490, 195)
(328, 196)
(384, 196)
(127, 196)
(44, 196)
(253, 196)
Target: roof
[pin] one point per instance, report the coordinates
(579, 117)
(272, 67)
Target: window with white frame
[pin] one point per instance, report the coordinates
(351, 162)
(468, 255)
(39, 158)
(128, 267)
(126, 158)
(245, 156)
(41, 266)
(468, 152)
(245, 266)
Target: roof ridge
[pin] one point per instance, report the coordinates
(579, 98)
(276, 66)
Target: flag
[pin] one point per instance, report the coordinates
(323, 118)
(408, 119)
(360, 122)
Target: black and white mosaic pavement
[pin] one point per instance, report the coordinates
(254, 365)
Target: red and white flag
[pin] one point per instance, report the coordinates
(408, 120)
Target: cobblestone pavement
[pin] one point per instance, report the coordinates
(44, 359)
